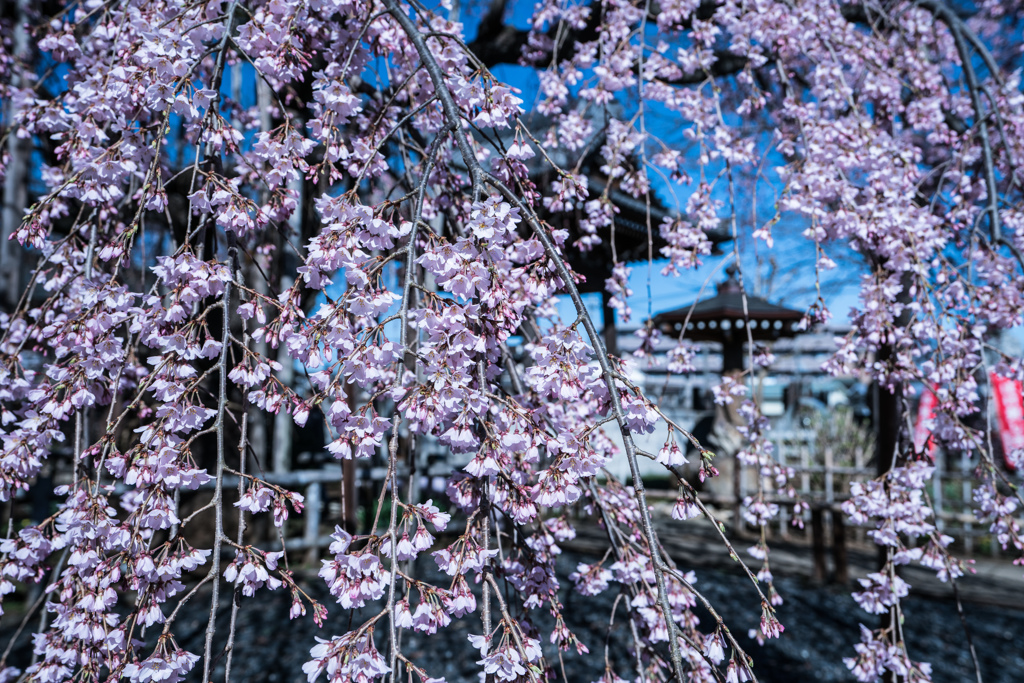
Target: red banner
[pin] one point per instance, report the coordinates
(1010, 408)
(924, 423)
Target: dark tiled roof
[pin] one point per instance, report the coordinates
(722, 316)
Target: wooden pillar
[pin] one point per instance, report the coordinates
(818, 544)
(839, 556)
(732, 352)
(15, 188)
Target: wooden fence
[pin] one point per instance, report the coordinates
(823, 480)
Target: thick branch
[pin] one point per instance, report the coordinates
(981, 119)
(497, 40)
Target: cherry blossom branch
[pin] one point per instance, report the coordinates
(21, 627)
(236, 597)
(510, 624)
(447, 103)
(392, 538)
(616, 404)
(222, 400)
(967, 630)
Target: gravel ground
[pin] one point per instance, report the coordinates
(821, 625)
